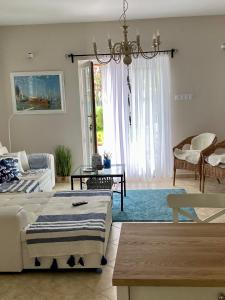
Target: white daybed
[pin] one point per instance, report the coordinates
(17, 212)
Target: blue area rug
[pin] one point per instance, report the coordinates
(146, 206)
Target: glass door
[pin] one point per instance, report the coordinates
(88, 119)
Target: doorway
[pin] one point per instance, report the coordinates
(126, 112)
(90, 79)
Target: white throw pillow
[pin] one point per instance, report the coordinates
(24, 160)
(3, 150)
(14, 155)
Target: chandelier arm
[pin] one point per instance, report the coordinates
(117, 48)
(103, 62)
(154, 54)
(97, 56)
(117, 55)
(134, 49)
(151, 54)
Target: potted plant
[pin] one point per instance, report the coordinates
(63, 163)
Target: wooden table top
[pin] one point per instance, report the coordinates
(170, 255)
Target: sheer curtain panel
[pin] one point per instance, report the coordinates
(145, 144)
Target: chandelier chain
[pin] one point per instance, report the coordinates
(125, 8)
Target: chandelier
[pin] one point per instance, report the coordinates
(127, 49)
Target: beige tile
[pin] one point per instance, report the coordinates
(111, 293)
(101, 282)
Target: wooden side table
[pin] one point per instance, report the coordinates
(170, 261)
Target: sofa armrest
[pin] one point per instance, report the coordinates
(43, 161)
(13, 220)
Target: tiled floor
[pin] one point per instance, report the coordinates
(85, 285)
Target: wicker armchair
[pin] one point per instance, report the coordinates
(209, 170)
(185, 165)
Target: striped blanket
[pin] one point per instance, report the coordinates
(25, 186)
(67, 234)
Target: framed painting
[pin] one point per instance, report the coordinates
(37, 92)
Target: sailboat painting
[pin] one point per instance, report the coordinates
(37, 92)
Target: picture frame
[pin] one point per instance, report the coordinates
(38, 92)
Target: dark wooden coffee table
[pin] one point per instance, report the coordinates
(116, 171)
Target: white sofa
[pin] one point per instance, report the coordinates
(20, 210)
(41, 172)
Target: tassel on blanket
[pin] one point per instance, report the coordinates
(71, 261)
(54, 265)
(81, 261)
(103, 261)
(37, 262)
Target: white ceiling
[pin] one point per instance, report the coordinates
(19, 12)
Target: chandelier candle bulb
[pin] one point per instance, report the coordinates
(110, 43)
(138, 39)
(158, 33)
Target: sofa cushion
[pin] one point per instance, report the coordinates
(15, 155)
(24, 160)
(38, 161)
(3, 150)
(9, 170)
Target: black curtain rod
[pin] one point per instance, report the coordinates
(72, 56)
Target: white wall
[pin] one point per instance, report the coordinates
(197, 68)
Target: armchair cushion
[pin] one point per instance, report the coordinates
(202, 141)
(198, 144)
(191, 156)
(216, 159)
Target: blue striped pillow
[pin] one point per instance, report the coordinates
(9, 170)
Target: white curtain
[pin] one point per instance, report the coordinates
(145, 145)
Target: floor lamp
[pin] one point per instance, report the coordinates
(9, 131)
(9, 126)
